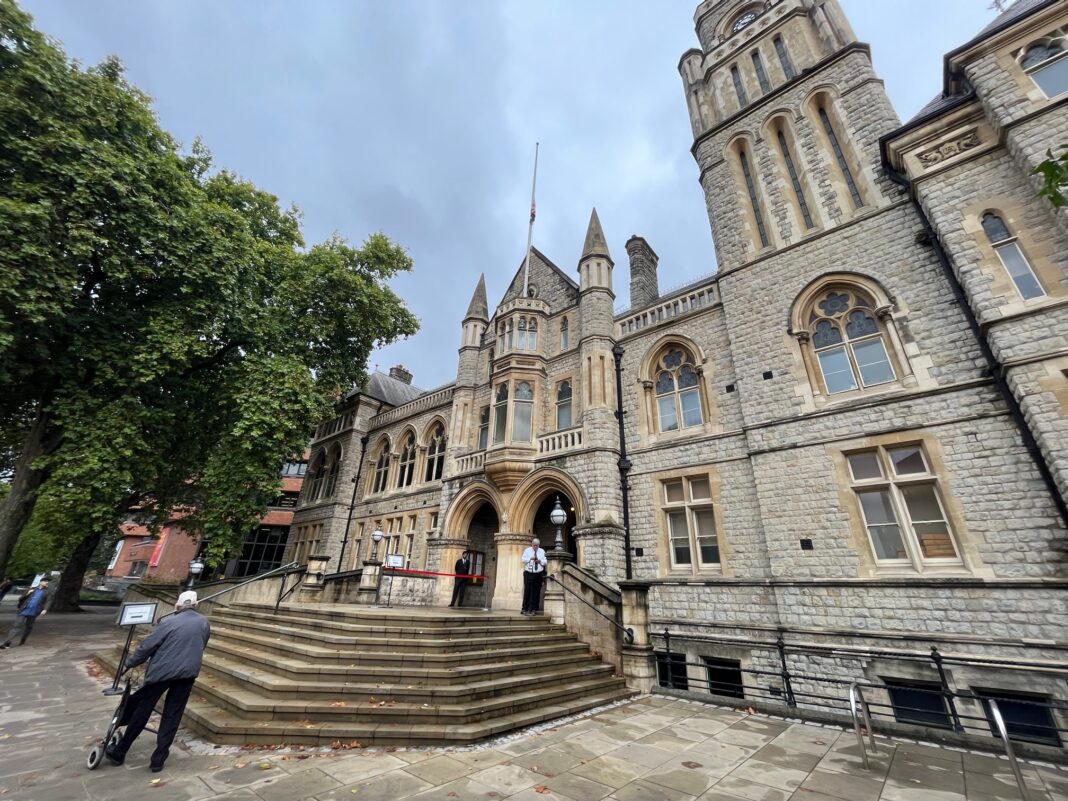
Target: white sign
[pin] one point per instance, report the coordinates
(136, 614)
(394, 560)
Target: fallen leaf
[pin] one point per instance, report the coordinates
(265, 766)
(239, 764)
(155, 782)
(691, 765)
(541, 788)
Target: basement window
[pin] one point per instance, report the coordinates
(724, 677)
(1024, 718)
(671, 670)
(918, 702)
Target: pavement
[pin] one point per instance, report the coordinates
(654, 748)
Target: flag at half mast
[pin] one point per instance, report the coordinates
(530, 229)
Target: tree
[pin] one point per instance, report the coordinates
(1054, 172)
(166, 341)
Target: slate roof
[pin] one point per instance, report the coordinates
(383, 387)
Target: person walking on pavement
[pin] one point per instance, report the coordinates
(462, 569)
(175, 650)
(32, 604)
(534, 562)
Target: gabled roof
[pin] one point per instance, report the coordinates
(386, 388)
(541, 270)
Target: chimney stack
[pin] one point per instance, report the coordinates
(400, 374)
(644, 288)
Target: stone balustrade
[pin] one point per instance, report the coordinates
(680, 305)
(560, 441)
(423, 403)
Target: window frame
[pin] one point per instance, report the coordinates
(1033, 70)
(860, 299)
(689, 508)
(435, 453)
(380, 472)
(1010, 240)
(677, 393)
(522, 406)
(843, 163)
(761, 72)
(787, 64)
(565, 334)
(739, 86)
(891, 482)
(500, 412)
(409, 454)
(484, 416)
(565, 403)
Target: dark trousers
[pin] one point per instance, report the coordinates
(532, 590)
(459, 586)
(145, 699)
(23, 626)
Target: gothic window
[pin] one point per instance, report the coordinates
(563, 405)
(318, 476)
(435, 454)
(331, 476)
(739, 87)
(381, 473)
(532, 334)
(754, 201)
(508, 335)
(1047, 64)
(839, 156)
(678, 396)
(762, 75)
(1012, 257)
(744, 21)
(784, 58)
(500, 413)
(690, 522)
(523, 416)
(564, 334)
(795, 181)
(407, 462)
(483, 427)
(848, 341)
(899, 500)
(521, 334)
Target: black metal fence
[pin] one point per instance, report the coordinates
(1029, 716)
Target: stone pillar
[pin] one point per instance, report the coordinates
(600, 550)
(311, 590)
(644, 287)
(508, 588)
(555, 602)
(365, 593)
(639, 662)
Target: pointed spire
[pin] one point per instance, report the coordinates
(479, 307)
(595, 242)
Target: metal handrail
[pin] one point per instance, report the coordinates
(857, 700)
(628, 633)
(284, 568)
(999, 721)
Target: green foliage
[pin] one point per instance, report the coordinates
(1054, 172)
(164, 318)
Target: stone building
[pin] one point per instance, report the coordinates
(854, 433)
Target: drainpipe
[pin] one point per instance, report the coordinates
(352, 503)
(624, 462)
(994, 367)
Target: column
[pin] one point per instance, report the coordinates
(639, 662)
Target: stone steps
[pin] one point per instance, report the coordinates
(316, 675)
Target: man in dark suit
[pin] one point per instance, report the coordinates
(462, 569)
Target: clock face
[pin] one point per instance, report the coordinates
(743, 20)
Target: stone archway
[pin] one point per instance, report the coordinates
(472, 522)
(531, 492)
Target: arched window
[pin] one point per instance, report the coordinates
(483, 427)
(849, 341)
(1012, 257)
(381, 474)
(521, 335)
(523, 417)
(500, 413)
(839, 155)
(761, 73)
(678, 396)
(318, 476)
(790, 165)
(754, 201)
(564, 334)
(784, 58)
(563, 405)
(739, 87)
(332, 472)
(532, 334)
(1047, 64)
(508, 335)
(407, 462)
(435, 454)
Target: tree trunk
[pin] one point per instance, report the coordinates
(68, 593)
(17, 506)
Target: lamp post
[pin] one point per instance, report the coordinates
(558, 517)
(196, 567)
(377, 538)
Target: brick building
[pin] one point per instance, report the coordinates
(854, 433)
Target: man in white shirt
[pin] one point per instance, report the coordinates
(534, 562)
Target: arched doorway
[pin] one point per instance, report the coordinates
(484, 524)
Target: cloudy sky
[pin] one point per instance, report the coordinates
(419, 117)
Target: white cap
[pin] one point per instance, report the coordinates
(186, 600)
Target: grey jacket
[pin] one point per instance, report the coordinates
(175, 646)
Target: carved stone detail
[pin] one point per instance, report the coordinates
(951, 148)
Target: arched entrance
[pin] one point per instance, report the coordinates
(484, 524)
(545, 530)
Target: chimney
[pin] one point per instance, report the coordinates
(400, 374)
(644, 289)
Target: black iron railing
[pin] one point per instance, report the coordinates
(934, 704)
(628, 633)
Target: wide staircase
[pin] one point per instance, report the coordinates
(341, 675)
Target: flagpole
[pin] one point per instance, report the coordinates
(530, 229)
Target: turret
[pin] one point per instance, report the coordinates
(474, 326)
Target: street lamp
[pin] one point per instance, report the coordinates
(558, 517)
(196, 567)
(377, 538)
